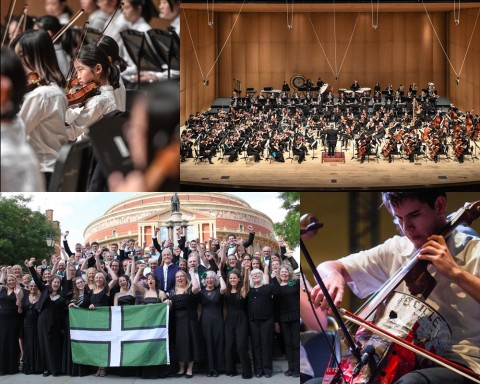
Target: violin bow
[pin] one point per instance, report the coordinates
(12, 6)
(461, 370)
(67, 26)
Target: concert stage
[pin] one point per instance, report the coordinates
(315, 175)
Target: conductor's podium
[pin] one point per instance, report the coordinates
(338, 158)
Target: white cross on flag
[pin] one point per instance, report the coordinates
(132, 335)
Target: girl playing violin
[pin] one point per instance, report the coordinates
(93, 67)
(44, 107)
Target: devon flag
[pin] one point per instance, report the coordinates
(133, 335)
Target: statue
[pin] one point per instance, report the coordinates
(175, 203)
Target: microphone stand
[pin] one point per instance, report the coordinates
(336, 314)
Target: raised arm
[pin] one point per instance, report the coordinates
(266, 274)
(223, 286)
(251, 237)
(65, 244)
(194, 280)
(246, 281)
(155, 241)
(31, 267)
(113, 275)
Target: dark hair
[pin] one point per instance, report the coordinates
(110, 46)
(148, 9)
(49, 23)
(172, 3)
(91, 55)
(11, 67)
(239, 286)
(93, 243)
(429, 196)
(38, 54)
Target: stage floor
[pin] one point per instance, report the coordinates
(315, 175)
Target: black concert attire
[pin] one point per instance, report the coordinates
(261, 319)
(300, 151)
(211, 322)
(236, 334)
(287, 305)
(51, 327)
(185, 332)
(331, 138)
(10, 322)
(254, 150)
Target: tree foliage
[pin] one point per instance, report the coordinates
(23, 231)
(289, 228)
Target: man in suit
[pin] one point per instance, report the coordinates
(166, 272)
(332, 135)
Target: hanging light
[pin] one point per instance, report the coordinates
(50, 240)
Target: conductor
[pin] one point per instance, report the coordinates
(331, 136)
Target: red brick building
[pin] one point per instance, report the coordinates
(203, 215)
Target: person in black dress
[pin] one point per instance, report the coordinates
(100, 297)
(10, 319)
(31, 363)
(51, 322)
(78, 297)
(236, 324)
(211, 321)
(186, 334)
(260, 315)
(288, 308)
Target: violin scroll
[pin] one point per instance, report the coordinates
(309, 226)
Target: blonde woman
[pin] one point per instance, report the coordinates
(100, 297)
(10, 319)
(187, 346)
(288, 308)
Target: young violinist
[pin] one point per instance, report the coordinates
(43, 109)
(454, 264)
(93, 70)
(20, 167)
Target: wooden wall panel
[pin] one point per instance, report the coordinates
(466, 95)
(404, 49)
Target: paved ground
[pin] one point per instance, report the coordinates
(277, 378)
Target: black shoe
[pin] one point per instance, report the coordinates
(268, 375)
(215, 374)
(246, 376)
(288, 373)
(187, 376)
(258, 375)
(295, 374)
(179, 374)
(46, 373)
(209, 374)
(210, 161)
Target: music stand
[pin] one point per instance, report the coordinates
(142, 53)
(167, 44)
(92, 35)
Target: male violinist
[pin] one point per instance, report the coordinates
(454, 263)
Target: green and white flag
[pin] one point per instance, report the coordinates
(133, 335)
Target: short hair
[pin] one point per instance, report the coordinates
(428, 196)
(210, 274)
(94, 243)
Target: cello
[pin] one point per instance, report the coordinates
(383, 355)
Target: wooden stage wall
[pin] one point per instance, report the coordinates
(262, 51)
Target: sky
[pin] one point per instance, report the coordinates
(75, 211)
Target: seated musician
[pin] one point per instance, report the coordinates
(230, 150)
(276, 152)
(299, 149)
(254, 149)
(454, 262)
(205, 150)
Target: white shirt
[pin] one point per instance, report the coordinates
(19, 165)
(43, 112)
(97, 20)
(79, 119)
(121, 96)
(62, 58)
(369, 269)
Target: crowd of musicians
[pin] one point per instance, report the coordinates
(54, 87)
(277, 124)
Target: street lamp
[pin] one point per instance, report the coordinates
(50, 240)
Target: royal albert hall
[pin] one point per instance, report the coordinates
(201, 216)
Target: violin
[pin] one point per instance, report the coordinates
(79, 94)
(34, 81)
